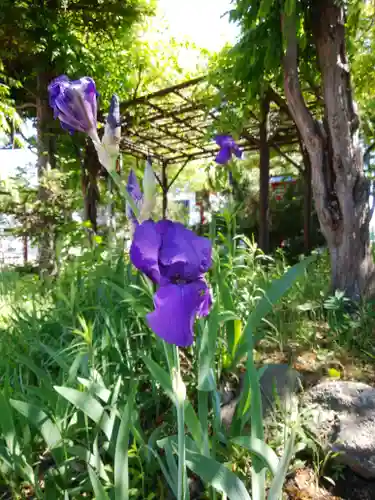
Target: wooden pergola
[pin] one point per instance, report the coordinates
(176, 125)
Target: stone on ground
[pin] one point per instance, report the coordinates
(342, 417)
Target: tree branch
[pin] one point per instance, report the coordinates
(286, 157)
(295, 101)
(279, 100)
(253, 140)
(178, 173)
(26, 105)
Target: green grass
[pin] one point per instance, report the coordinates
(72, 347)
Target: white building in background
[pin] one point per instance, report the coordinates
(186, 199)
(12, 248)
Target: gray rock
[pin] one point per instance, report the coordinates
(278, 384)
(227, 412)
(342, 417)
(279, 380)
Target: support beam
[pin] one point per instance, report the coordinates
(165, 188)
(264, 179)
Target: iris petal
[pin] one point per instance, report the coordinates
(183, 255)
(74, 103)
(135, 192)
(90, 94)
(222, 140)
(206, 301)
(176, 307)
(114, 113)
(224, 155)
(144, 251)
(237, 151)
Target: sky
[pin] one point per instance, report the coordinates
(202, 21)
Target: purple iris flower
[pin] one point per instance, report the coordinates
(135, 192)
(176, 259)
(228, 147)
(74, 103)
(113, 117)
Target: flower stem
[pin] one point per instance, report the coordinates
(180, 406)
(181, 453)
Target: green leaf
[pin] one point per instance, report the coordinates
(47, 392)
(206, 378)
(7, 426)
(154, 437)
(90, 407)
(259, 448)
(277, 484)
(99, 491)
(172, 466)
(193, 424)
(50, 432)
(277, 289)
(258, 476)
(75, 367)
(218, 476)
(226, 298)
(290, 7)
(264, 8)
(56, 356)
(121, 470)
(161, 376)
(238, 332)
(171, 482)
(211, 472)
(96, 389)
(90, 458)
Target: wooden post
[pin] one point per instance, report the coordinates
(264, 166)
(164, 187)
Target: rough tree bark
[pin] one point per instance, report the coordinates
(264, 175)
(307, 199)
(340, 188)
(90, 189)
(46, 145)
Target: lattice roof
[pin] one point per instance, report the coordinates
(175, 124)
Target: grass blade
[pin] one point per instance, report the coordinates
(121, 470)
(160, 376)
(50, 432)
(211, 471)
(99, 491)
(277, 289)
(261, 449)
(276, 490)
(89, 405)
(7, 425)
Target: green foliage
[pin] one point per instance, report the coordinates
(88, 404)
(9, 118)
(362, 50)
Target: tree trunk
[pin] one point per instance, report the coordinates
(264, 178)
(46, 160)
(307, 200)
(340, 188)
(90, 189)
